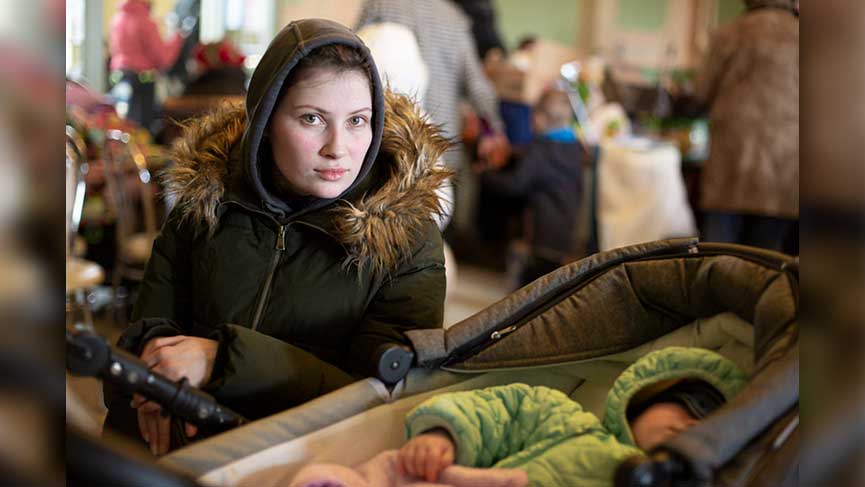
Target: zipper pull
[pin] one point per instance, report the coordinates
(500, 333)
(280, 240)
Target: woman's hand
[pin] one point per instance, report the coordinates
(174, 357)
(426, 455)
(154, 427)
(182, 356)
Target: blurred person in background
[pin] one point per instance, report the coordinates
(448, 48)
(548, 178)
(750, 82)
(482, 14)
(138, 55)
(833, 237)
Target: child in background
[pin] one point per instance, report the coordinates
(548, 178)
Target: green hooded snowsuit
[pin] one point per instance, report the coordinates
(550, 436)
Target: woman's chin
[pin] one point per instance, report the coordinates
(328, 192)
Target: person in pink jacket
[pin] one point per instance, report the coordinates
(138, 53)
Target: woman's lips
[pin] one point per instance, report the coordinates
(334, 174)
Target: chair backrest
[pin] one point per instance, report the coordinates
(120, 154)
(76, 186)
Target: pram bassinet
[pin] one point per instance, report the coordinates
(574, 330)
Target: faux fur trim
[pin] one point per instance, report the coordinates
(197, 178)
(379, 230)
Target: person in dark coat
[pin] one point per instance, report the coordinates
(301, 241)
(548, 178)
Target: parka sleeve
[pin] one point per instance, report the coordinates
(515, 421)
(409, 299)
(261, 375)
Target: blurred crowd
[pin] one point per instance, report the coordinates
(555, 159)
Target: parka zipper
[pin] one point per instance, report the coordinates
(280, 248)
(265, 291)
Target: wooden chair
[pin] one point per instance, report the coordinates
(131, 194)
(81, 275)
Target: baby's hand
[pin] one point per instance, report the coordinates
(427, 454)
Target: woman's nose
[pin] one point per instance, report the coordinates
(335, 144)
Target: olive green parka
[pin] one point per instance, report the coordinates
(299, 299)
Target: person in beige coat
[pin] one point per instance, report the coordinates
(750, 82)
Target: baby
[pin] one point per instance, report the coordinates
(538, 436)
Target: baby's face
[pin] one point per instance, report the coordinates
(660, 422)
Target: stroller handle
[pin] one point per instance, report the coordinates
(89, 354)
(662, 468)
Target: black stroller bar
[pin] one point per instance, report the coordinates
(663, 469)
(89, 354)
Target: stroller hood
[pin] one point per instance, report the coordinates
(618, 300)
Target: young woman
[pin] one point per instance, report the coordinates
(296, 247)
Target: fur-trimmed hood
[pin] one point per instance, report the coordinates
(378, 223)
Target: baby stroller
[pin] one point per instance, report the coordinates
(575, 330)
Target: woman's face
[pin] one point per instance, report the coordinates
(321, 130)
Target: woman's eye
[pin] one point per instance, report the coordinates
(357, 121)
(311, 118)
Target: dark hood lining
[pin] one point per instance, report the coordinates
(281, 57)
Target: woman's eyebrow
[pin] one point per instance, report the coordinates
(312, 107)
(325, 112)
